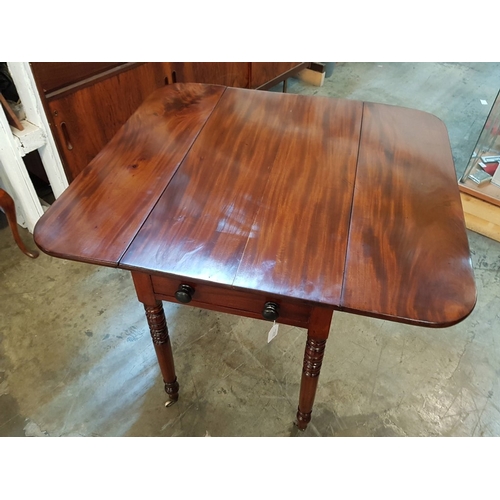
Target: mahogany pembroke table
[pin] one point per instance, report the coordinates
(276, 206)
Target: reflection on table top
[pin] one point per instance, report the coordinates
(348, 204)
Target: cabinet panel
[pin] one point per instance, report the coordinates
(231, 74)
(52, 76)
(85, 120)
(263, 72)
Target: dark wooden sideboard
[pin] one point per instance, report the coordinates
(86, 103)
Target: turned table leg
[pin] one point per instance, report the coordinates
(317, 335)
(161, 341)
(159, 333)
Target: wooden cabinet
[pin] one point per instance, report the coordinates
(88, 102)
(84, 121)
(53, 76)
(230, 74)
(262, 73)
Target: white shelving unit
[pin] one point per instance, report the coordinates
(15, 144)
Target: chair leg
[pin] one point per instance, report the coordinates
(8, 206)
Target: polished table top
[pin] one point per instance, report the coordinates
(335, 202)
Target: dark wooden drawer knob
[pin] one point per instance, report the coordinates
(184, 294)
(271, 311)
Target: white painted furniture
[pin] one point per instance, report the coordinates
(15, 144)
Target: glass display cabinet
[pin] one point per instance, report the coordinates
(481, 178)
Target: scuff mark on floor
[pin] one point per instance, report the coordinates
(31, 429)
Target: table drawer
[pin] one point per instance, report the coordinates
(225, 299)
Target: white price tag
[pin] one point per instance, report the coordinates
(272, 332)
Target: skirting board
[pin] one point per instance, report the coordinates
(481, 217)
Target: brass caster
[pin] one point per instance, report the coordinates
(170, 403)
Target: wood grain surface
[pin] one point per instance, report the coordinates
(201, 224)
(55, 75)
(332, 202)
(85, 120)
(300, 232)
(408, 256)
(260, 200)
(230, 74)
(262, 72)
(97, 217)
(481, 217)
(229, 300)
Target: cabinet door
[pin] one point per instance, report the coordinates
(263, 72)
(86, 119)
(231, 74)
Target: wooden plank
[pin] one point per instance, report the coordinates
(98, 217)
(488, 192)
(29, 138)
(203, 220)
(300, 233)
(481, 217)
(221, 203)
(408, 257)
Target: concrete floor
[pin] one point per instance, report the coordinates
(76, 357)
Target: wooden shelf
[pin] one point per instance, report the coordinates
(488, 192)
(30, 138)
(481, 217)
